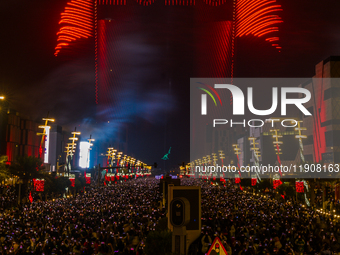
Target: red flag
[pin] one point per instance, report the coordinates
(30, 197)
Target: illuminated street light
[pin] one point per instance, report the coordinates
(119, 155)
(237, 152)
(2, 98)
(45, 136)
(277, 146)
(257, 155)
(90, 144)
(221, 154)
(300, 137)
(71, 149)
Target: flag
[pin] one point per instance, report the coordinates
(30, 197)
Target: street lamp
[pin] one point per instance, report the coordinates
(300, 137)
(277, 144)
(88, 152)
(45, 137)
(111, 156)
(119, 155)
(71, 149)
(257, 155)
(237, 152)
(2, 98)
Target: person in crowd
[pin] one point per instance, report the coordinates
(116, 220)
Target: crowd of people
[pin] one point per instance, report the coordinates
(117, 219)
(8, 196)
(105, 220)
(256, 224)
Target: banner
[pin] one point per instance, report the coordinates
(39, 184)
(88, 178)
(299, 185)
(72, 178)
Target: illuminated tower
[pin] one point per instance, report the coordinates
(157, 37)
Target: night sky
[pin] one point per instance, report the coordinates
(35, 81)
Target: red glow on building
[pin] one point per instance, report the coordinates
(145, 2)
(258, 18)
(112, 2)
(77, 21)
(215, 2)
(179, 2)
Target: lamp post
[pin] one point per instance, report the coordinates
(221, 154)
(111, 156)
(88, 152)
(237, 152)
(119, 155)
(208, 160)
(45, 133)
(257, 155)
(300, 136)
(71, 148)
(277, 144)
(201, 169)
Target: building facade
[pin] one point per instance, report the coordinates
(323, 127)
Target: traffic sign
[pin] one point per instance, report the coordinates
(217, 248)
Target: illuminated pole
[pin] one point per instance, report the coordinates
(189, 168)
(300, 136)
(88, 152)
(200, 164)
(214, 160)
(196, 174)
(221, 154)
(119, 155)
(277, 144)
(204, 163)
(113, 157)
(69, 157)
(137, 166)
(46, 131)
(128, 158)
(70, 149)
(256, 155)
(237, 152)
(192, 164)
(132, 164)
(208, 160)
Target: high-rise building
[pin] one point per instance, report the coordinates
(323, 126)
(19, 136)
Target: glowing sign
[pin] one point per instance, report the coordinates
(84, 154)
(47, 143)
